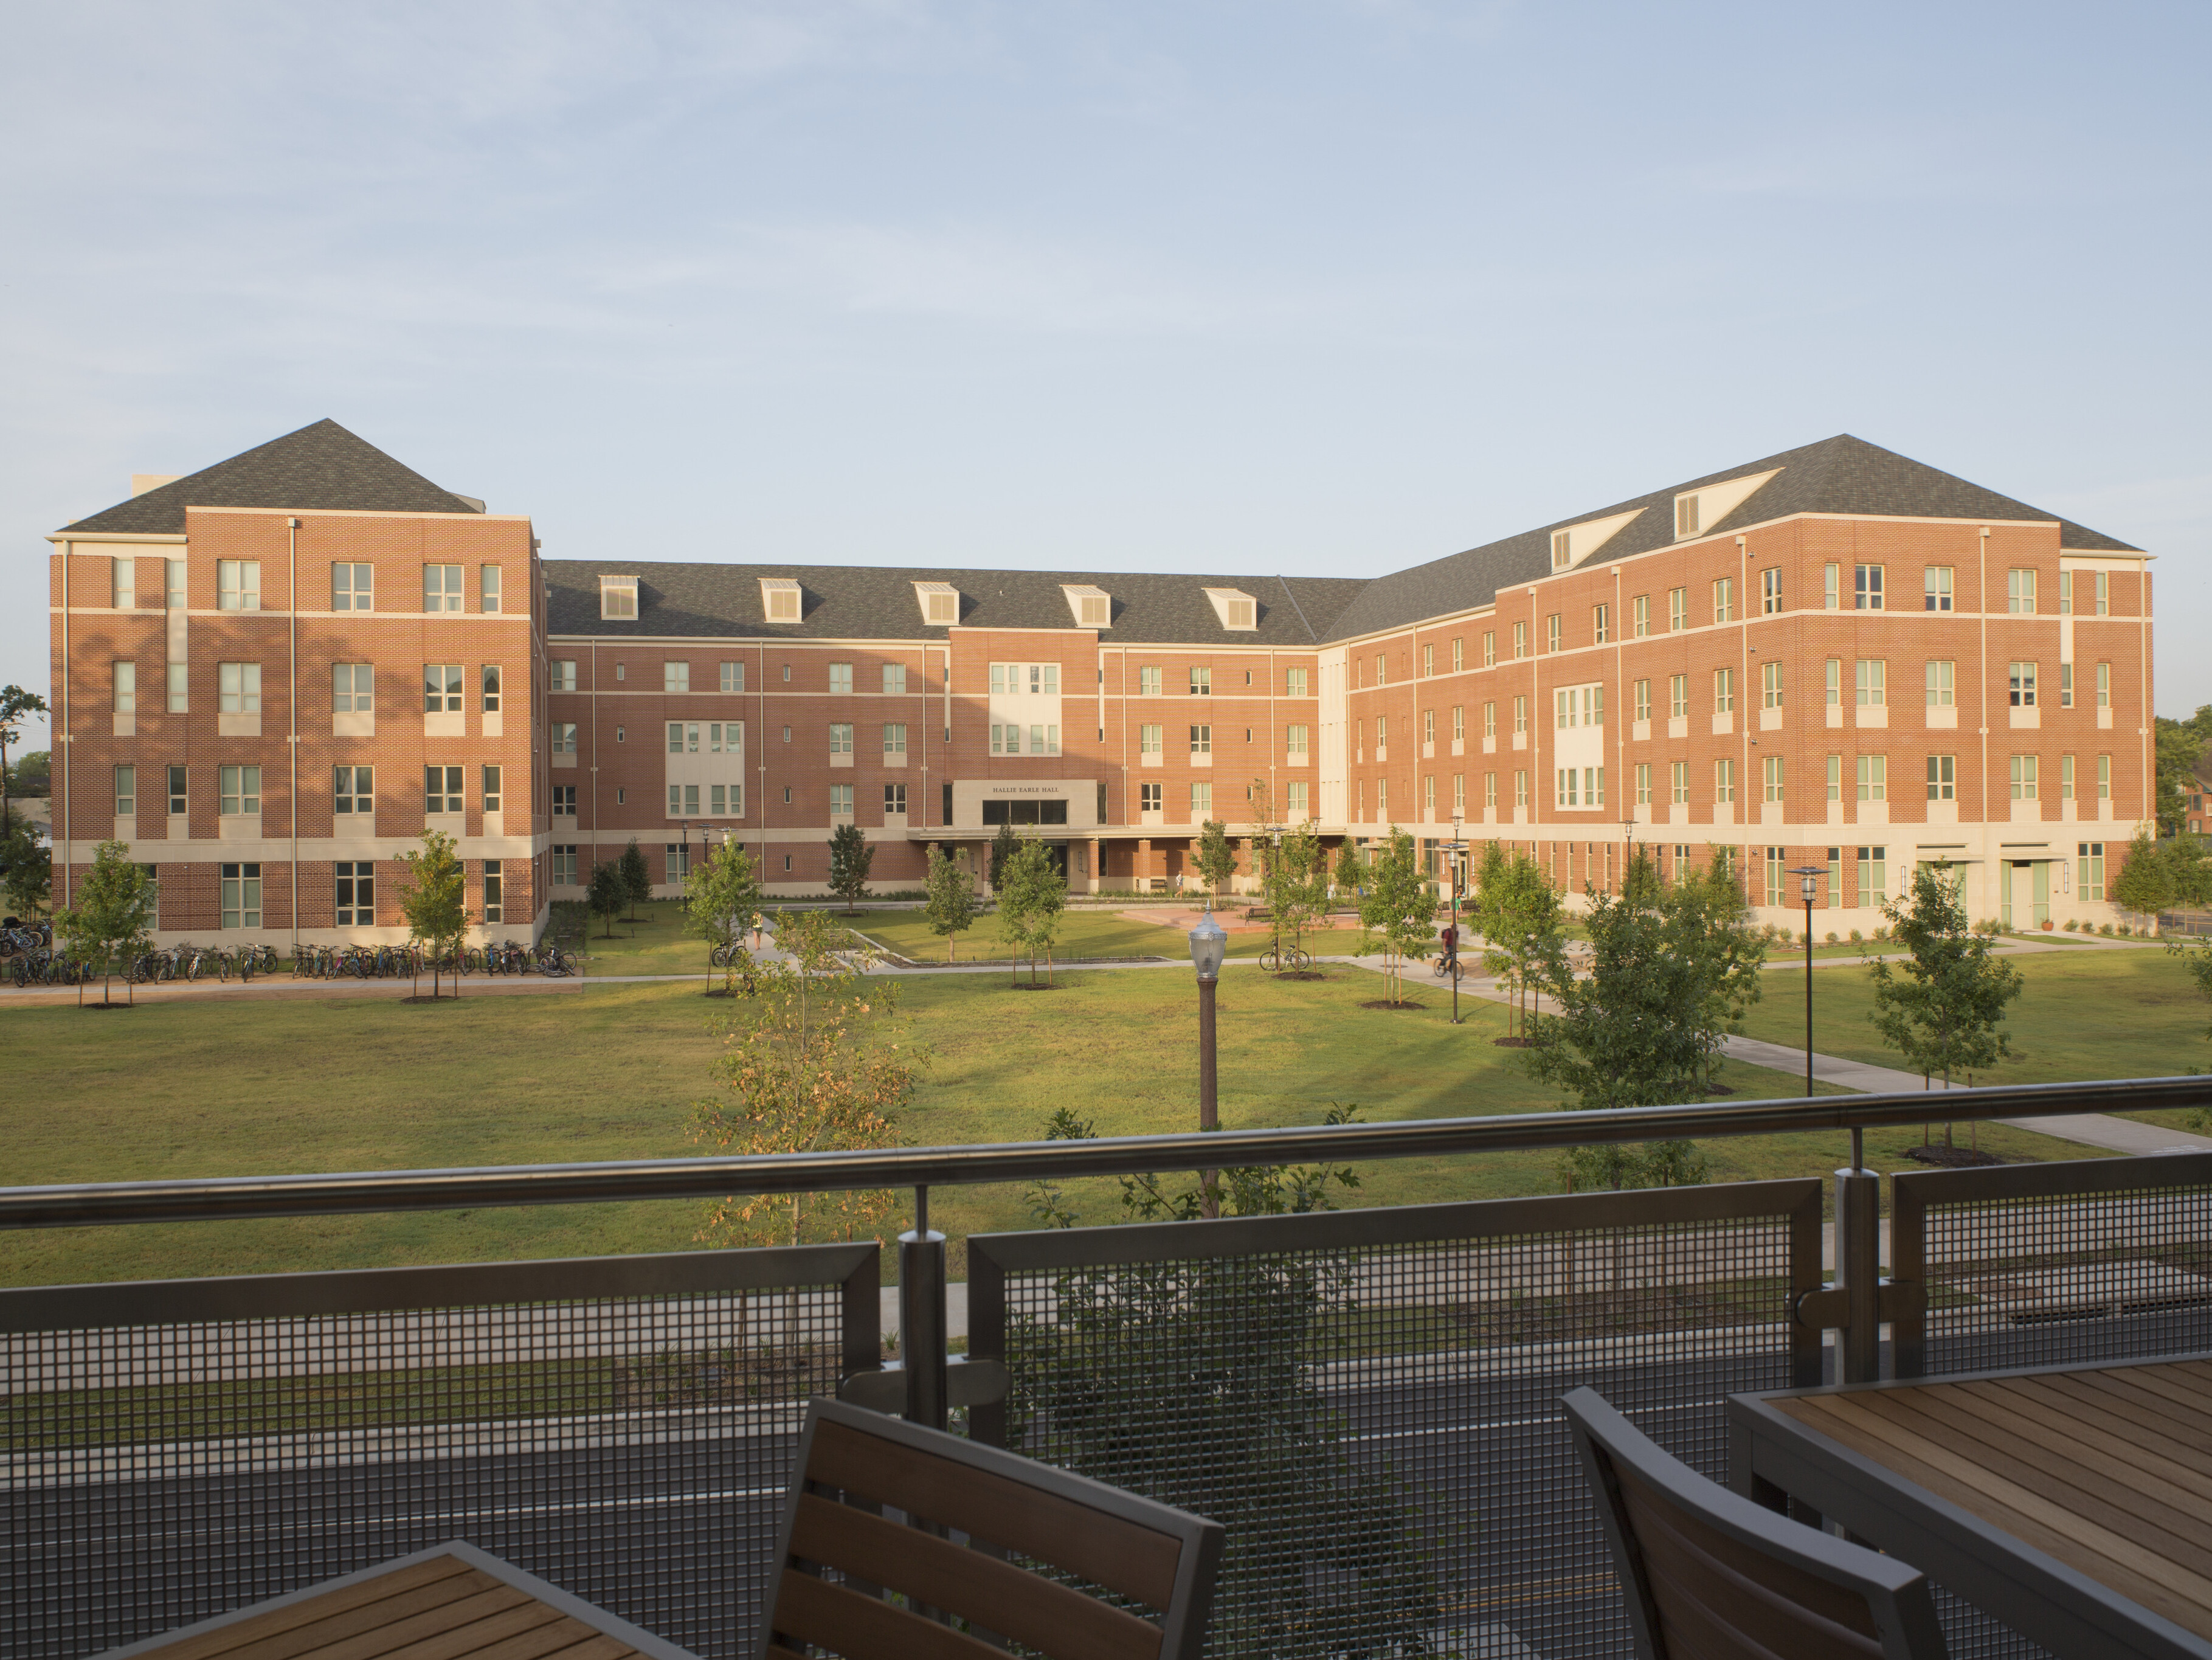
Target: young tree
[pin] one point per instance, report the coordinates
(636, 880)
(724, 892)
(951, 905)
(816, 1061)
(2188, 870)
(1037, 893)
(15, 706)
(2145, 884)
(26, 867)
(435, 901)
(1294, 885)
(1004, 846)
(1398, 910)
(1522, 921)
(1939, 1005)
(2177, 746)
(1673, 969)
(113, 919)
(851, 853)
(1216, 858)
(1350, 870)
(608, 893)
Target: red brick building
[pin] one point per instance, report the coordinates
(1834, 656)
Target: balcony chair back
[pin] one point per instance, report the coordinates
(983, 1537)
(1709, 1575)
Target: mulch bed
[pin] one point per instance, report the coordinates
(1513, 1042)
(1385, 1003)
(1301, 974)
(1952, 1158)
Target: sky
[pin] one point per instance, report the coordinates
(1323, 286)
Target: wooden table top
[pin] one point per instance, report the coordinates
(449, 1603)
(2107, 1470)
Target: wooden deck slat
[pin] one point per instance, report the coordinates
(2138, 1447)
(224, 1639)
(416, 1603)
(2112, 1399)
(497, 1627)
(2164, 1586)
(350, 1639)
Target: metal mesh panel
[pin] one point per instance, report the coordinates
(1377, 1424)
(631, 1449)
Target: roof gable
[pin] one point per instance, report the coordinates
(318, 468)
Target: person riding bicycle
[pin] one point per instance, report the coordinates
(1452, 948)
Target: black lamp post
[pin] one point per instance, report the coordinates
(684, 895)
(1457, 854)
(1805, 875)
(1208, 945)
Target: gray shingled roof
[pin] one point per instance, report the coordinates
(319, 467)
(1841, 474)
(877, 602)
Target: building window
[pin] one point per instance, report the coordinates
(1936, 588)
(1641, 692)
(126, 680)
(352, 791)
(1874, 876)
(238, 686)
(1835, 682)
(491, 790)
(895, 739)
(122, 583)
(488, 593)
(1201, 740)
(491, 688)
(2090, 881)
(1489, 648)
(2104, 685)
(841, 738)
(1724, 691)
(677, 676)
(1870, 679)
(1866, 587)
(1429, 727)
(1429, 795)
(2104, 778)
(1201, 682)
(1381, 728)
(1564, 780)
(2104, 594)
(1770, 685)
(1559, 555)
(2065, 685)
(564, 865)
(564, 674)
(1520, 641)
(238, 585)
(441, 689)
(1724, 599)
(618, 599)
(1148, 682)
(2066, 778)
(1297, 803)
(442, 790)
(1294, 683)
(1459, 724)
(355, 885)
(176, 792)
(1459, 655)
(441, 587)
(894, 680)
(1770, 770)
(353, 587)
(1201, 801)
(733, 677)
(2019, 593)
(1723, 782)
(241, 896)
(1380, 674)
(1383, 798)
(1490, 719)
(564, 738)
(1835, 778)
(1149, 797)
(1601, 623)
(179, 678)
(1644, 784)
(1942, 778)
(1640, 617)
(1521, 787)
(241, 792)
(1149, 740)
(1520, 714)
(353, 688)
(894, 800)
(1678, 610)
(1769, 590)
(1873, 778)
(1294, 740)
(494, 884)
(1942, 683)
(841, 679)
(2020, 683)
(126, 792)
(2024, 769)
(564, 800)
(1685, 515)
(1428, 660)
(1551, 638)
(1778, 877)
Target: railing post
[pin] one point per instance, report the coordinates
(1858, 1275)
(922, 1317)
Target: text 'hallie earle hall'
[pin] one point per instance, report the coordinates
(270, 675)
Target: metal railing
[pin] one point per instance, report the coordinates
(1366, 1398)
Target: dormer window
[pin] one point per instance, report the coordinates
(1698, 511)
(618, 599)
(1093, 607)
(1559, 556)
(940, 602)
(778, 598)
(1685, 515)
(1235, 608)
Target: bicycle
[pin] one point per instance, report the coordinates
(554, 963)
(1277, 961)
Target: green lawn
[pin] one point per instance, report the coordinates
(306, 1084)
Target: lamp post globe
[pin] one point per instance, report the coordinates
(1208, 945)
(1807, 876)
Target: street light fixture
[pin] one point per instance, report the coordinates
(1807, 876)
(1208, 945)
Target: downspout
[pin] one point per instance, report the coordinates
(1982, 676)
(1745, 799)
(760, 654)
(292, 710)
(2146, 766)
(68, 773)
(594, 707)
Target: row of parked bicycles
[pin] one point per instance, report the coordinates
(28, 958)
